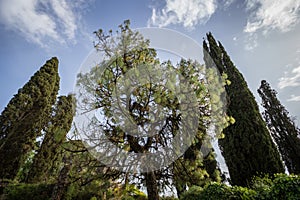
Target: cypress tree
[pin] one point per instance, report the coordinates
(247, 147)
(25, 116)
(282, 128)
(56, 132)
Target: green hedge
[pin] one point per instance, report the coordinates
(27, 191)
(17, 191)
(282, 186)
(218, 191)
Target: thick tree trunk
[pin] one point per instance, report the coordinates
(151, 185)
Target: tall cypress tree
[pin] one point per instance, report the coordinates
(25, 116)
(56, 132)
(282, 128)
(247, 147)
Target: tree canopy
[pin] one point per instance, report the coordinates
(247, 146)
(132, 89)
(25, 116)
(282, 127)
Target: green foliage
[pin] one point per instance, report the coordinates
(27, 192)
(192, 194)
(129, 51)
(132, 192)
(25, 116)
(169, 198)
(95, 189)
(247, 147)
(219, 191)
(25, 167)
(282, 186)
(55, 134)
(198, 165)
(282, 128)
(100, 189)
(84, 177)
(285, 187)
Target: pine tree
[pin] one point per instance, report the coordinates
(195, 169)
(247, 147)
(282, 128)
(25, 116)
(56, 132)
(198, 165)
(128, 53)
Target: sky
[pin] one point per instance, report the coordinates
(262, 37)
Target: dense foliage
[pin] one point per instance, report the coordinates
(129, 52)
(247, 146)
(25, 116)
(281, 187)
(282, 127)
(43, 157)
(55, 134)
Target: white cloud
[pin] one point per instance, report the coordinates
(290, 79)
(188, 13)
(64, 13)
(294, 98)
(228, 3)
(267, 15)
(40, 21)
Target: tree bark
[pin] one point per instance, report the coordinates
(62, 184)
(151, 185)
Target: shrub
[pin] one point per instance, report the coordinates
(282, 186)
(27, 191)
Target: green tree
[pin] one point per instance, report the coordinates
(25, 116)
(282, 128)
(81, 176)
(194, 169)
(55, 136)
(247, 146)
(198, 165)
(128, 52)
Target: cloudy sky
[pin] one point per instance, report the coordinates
(261, 36)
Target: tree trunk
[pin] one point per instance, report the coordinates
(151, 185)
(62, 183)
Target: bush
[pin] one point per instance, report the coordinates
(286, 187)
(27, 191)
(211, 191)
(282, 186)
(169, 198)
(218, 191)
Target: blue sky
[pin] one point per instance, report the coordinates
(261, 36)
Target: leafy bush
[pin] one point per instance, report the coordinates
(169, 198)
(282, 186)
(27, 191)
(218, 191)
(286, 187)
(94, 189)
